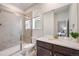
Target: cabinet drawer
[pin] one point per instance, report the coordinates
(44, 45)
(58, 54)
(43, 52)
(66, 51)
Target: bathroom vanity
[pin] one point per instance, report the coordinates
(57, 47)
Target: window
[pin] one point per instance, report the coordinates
(28, 24)
(36, 23)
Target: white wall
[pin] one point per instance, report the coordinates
(73, 17)
(10, 30)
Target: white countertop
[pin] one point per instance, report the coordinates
(61, 42)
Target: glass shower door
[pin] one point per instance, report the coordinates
(10, 31)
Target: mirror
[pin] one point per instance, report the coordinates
(63, 28)
(62, 21)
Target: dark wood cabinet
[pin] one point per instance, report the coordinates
(58, 54)
(44, 49)
(45, 45)
(47, 49)
(43, 52)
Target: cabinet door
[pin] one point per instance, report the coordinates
(43, 52)
(66, 51)
(44, 45)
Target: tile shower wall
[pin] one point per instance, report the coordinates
(9, 30)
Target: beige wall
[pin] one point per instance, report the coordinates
(73, 17)
(10, 29)
(27, 36)
(78, 16)
(48, 23)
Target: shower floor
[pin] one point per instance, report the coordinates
(14, 51)
(10, 51)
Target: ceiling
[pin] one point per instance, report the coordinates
(59, 10)
(17, 7)
(22, 6)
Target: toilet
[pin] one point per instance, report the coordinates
(28, 49)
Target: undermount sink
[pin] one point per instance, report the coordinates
(68, 39)
(63, 39)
